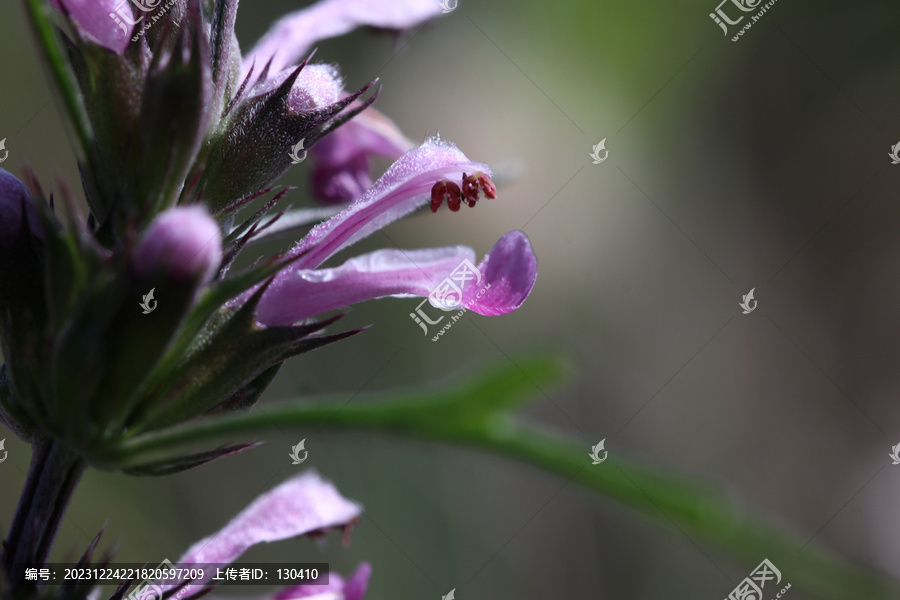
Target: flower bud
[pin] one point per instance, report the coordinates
(23, 311)
(122, 326)
(182, 243)
(18, 218)
(254, 148)
(21, 272)
(174, 118)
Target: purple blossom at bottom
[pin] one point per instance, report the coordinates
(305, 504)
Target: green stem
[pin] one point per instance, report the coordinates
(698, 513)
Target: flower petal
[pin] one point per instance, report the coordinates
(497, 286)
(101, 20)
(341, 159)
(291, 37)
(404, 187)
(509, 271)
(353, 588)
(341, 182)
(298, 506)
(298, 294)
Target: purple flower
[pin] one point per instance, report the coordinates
(178, 133)
(184, 117)
(508, 273)
(100, 21)
(352, 588)
(302, 290)
(174, 129)
(292, 36)
(305, 504)
(342, 160)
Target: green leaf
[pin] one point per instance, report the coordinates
(444, 409)
(185, 463)
(475, 412)
(66, 82)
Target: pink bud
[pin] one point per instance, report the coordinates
(183, 242)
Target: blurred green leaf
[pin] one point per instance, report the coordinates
(475, 411)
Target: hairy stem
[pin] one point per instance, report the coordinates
(52, 476)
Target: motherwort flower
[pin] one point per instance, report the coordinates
(177, 113)
(303, 505)
(342, 161)
(301, 290)
(138, 322)
(133, 319)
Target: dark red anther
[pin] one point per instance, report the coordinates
(471, 183)
(487, 186)
(445, 189)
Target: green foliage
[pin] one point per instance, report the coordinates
(477, 411)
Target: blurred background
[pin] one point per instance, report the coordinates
(760, 164)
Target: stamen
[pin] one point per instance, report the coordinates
(445, 189)
(471, 183)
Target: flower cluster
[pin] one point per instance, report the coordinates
(180, 136)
